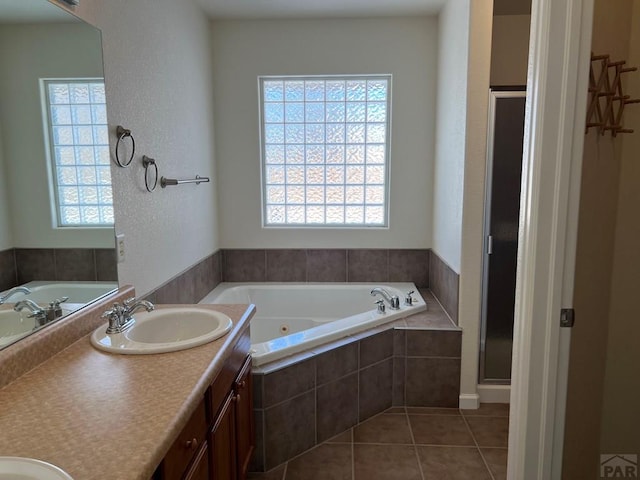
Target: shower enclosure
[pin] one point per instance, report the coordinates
(502, 208)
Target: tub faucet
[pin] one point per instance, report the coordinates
(120, 315)
(392, 300)
(14, 291)
(37, 313)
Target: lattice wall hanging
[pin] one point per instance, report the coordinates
(607, 99)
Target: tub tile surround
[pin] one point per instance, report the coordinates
(352, 380)
(405, 443)
(61, 264)
(420, 266)
(327, 265)
(444, 283)
(8, 269)
(191, 285)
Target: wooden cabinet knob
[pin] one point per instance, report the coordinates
(236, 398)
(191, 444)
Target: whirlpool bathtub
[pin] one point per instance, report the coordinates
(291, 318)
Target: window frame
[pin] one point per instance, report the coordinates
(387, 158)
(56, 204)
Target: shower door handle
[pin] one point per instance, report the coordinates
(489, 244)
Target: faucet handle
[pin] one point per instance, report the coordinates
(381, 307)
(129, 301)
(408, 300)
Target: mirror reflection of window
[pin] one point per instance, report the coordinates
(76, 116)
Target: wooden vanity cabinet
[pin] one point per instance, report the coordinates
(218, 440)
(244, 423)
(232, 436)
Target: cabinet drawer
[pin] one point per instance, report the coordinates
(200, 468)
(187, 444)
(224, 381)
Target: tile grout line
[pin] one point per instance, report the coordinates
(484, 460)
(415, 446)
(353, 454)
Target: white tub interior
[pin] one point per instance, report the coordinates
(291, 318)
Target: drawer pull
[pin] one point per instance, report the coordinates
(242, 384)
(191, 444)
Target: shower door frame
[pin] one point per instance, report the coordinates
(495, 94)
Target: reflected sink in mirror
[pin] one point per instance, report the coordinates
(164, 330)
(19, 468)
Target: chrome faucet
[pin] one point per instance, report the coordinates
(392, 300)
(13, 292)
(37, 313)
(120, 315)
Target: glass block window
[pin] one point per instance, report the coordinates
(76, 115)
(325, 150)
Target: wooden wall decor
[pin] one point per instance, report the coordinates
(607, 99)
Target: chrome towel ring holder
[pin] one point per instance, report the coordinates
(122, 134)
(146, 162)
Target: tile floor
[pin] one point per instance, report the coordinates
(410, 444)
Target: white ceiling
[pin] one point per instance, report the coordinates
(318, 8)
(32, 11)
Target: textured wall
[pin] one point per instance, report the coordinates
(157, 63)
(453, 54)
(404, 47)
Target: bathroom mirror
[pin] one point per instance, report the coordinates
(56, 213)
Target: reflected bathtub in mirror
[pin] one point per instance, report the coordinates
(56, 209)
(54, 299)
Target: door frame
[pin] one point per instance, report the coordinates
(494, 94)
(559, 55)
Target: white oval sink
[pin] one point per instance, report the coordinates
(18, 468)
(164, 330)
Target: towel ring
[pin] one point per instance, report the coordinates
(146, 161)
(122, 134)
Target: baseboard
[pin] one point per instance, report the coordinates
(469, 401)
(494, 393)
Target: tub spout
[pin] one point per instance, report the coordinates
(392, 300)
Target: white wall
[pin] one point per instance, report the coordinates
(510, 49)
(157, 63)
(404, 47)
(34, 52)
(453, 54)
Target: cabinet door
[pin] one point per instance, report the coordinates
(245, 439)
(223, 442)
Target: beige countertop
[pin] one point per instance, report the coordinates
(103, 416)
